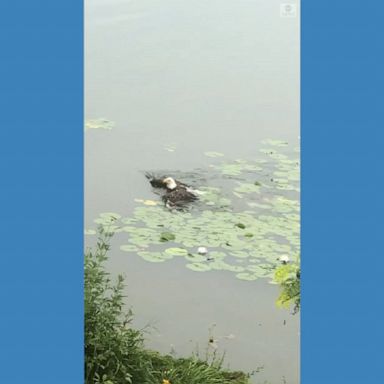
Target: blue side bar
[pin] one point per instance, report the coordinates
(342, 194)
(41, 167)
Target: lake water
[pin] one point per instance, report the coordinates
(179, 79)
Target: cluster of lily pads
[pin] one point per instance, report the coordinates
(100, 123)
(247, 218)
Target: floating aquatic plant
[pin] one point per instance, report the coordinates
(170, 147)
(277, 143)
(213, 154)
(167, 236)
(99, 124)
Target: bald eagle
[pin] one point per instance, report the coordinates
(177, 194)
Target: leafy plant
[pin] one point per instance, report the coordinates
(288, 276)
(115, 352)
(193, 371)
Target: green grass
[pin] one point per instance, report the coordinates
(115, 352)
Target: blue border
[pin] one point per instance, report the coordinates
(342, 201)
(41, 168)
(41, 148)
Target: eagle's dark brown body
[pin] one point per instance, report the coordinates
(176, 195)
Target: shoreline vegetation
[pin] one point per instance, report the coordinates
(288, 277)
(115, 352)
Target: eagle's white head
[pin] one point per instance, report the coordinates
(170, 183)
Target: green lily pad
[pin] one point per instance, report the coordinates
(90, 232)
(176, 251)
(198, 267)
(99, 124)
(142, 243)
(239, 254)
(246, 276)
(170, 147)
(258, 205)
(213, 154)
(278, 156)
(128, 220)
(167, 236)
(129, 248)
(153, 257)
(257, 270)
(277, 143)
(247, 188)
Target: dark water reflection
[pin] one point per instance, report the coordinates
(194, 77)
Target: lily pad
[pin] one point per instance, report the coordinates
(99, 124)
(213, 154)
(90, 232)
(176, 251)
(129, 248)
(198, 267)
(240, 254)
(167, 236)
(170, 147)
(153, 257)
(246, 276)
(277, 143)
(247, 188)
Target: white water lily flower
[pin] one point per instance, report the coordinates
(284, 259)
(202, 251)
